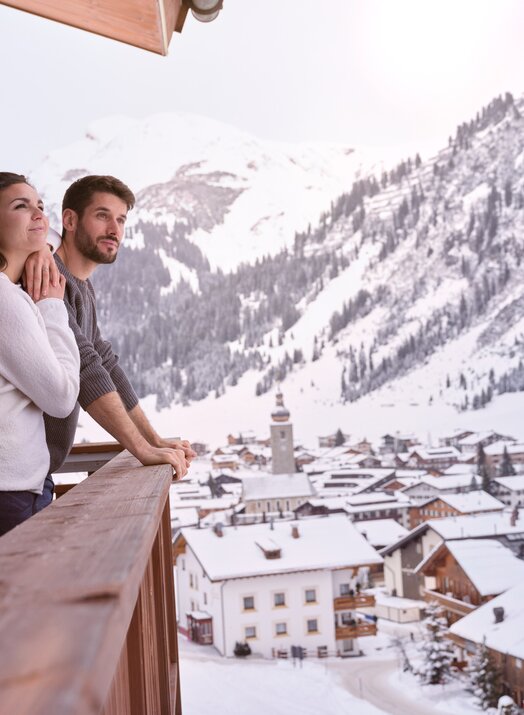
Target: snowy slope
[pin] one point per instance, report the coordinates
(180, 165)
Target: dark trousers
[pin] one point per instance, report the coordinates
(16, 507)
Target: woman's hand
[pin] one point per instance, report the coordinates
(40, 272)
(56, 291)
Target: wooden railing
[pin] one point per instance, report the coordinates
(348, 603)
(87, 609)
(364, 628)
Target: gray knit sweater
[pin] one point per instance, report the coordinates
(100, 372)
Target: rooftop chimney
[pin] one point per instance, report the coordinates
(498, 612)
(294, 531)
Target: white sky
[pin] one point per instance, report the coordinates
(363, 72)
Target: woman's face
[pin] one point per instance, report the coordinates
(23, 225)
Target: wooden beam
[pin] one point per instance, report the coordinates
(147, 24)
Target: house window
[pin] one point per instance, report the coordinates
(249, 603)
(312, 625)
(280, 599)
(518, 663)
(250, 632)
(287, 504)
(205, 599)
(344, 589)
(282, 435)
(311, 595)
(190, 580)
(183, 564)
(281, 629)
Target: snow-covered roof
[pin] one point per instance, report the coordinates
(432, 453)
(453, 481)
(277, 486)
(183, 517)
(381, 531)
(324, 543)
(373, 498)
(505, 637)
(470, 502)
(465, 526)
(461, 469)
(515, 483)
(476, 525)
(490, 566)
(497, 448)
(474, 439)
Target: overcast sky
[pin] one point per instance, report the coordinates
(361, 72)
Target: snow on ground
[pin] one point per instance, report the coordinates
(236, 687)
(373, 684)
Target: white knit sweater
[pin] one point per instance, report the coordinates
(39, 372)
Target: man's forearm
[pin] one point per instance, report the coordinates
(109, 411)
(144, 426)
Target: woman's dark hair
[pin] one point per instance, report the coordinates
(9, 179)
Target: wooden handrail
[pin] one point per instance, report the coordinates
(87, 609)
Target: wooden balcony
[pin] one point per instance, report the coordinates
(350, 603)
(364, 628)
(87, 609)
(454, 605)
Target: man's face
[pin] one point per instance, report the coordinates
(101, 229)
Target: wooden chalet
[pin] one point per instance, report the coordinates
(147, 24)
(438, 507)
(499, 624)
(467, 573)
(87, 613)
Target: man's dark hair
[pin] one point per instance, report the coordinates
(80, 193)
(7, 179)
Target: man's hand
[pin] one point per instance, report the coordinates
(39, 272)
(179, 444)
(164, 455)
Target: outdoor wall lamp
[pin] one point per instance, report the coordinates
(204, 10)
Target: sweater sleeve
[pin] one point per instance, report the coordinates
(43, 363)
(100, 372)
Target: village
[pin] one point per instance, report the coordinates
(289, 552)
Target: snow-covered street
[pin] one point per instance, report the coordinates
(367, 685)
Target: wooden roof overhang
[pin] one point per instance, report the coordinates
(148, 24)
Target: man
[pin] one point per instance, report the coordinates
(94, 212)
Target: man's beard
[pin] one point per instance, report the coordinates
(89, 249)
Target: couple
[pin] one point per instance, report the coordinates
(53, 359)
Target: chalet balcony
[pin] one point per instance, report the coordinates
(451, 604)
(363, 628)
(350, 603)
(87, 617)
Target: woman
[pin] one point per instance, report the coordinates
(39, 361)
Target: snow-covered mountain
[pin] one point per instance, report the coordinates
(363, 284)
(240, 197)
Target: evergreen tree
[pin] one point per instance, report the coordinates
(482, 467)
(506, 466)
(436, 649)
(339, 438)
(484, 678)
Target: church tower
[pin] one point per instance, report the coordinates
(283, 458)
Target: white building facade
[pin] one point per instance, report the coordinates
(278, 601)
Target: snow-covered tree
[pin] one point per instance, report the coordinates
(435, 648)
(484, 678)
